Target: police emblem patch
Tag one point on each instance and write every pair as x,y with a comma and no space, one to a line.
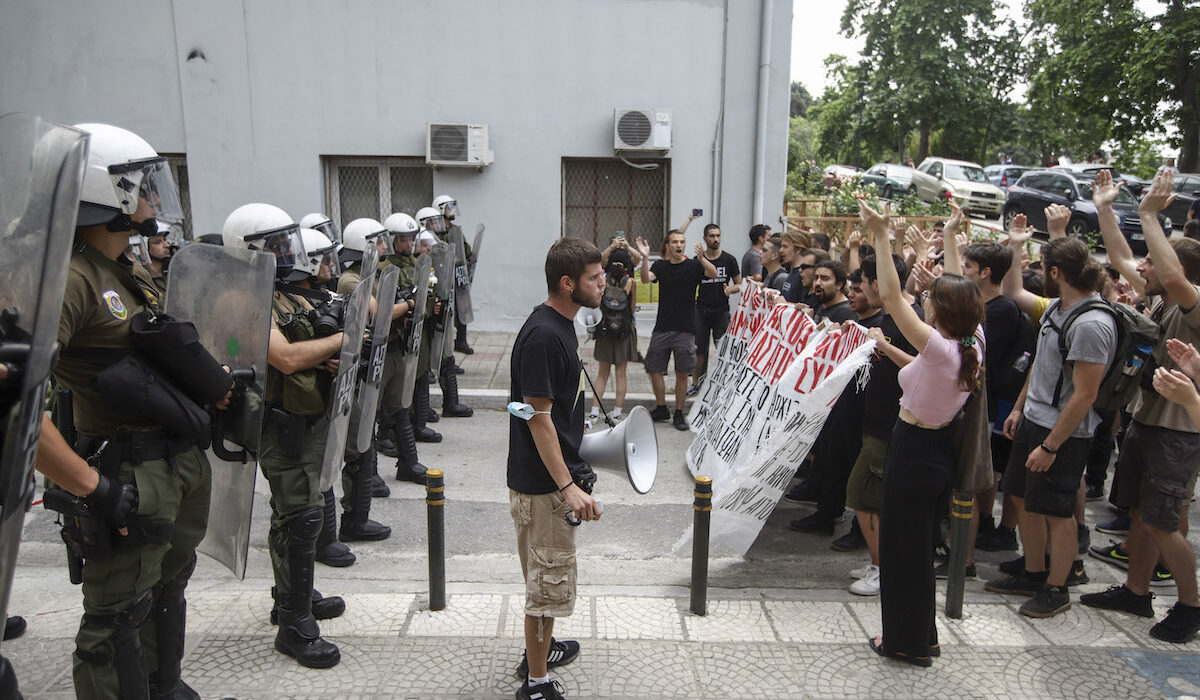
116,307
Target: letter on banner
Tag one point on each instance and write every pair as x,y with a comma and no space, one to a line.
730,351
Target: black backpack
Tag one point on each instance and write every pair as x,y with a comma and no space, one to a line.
1137,338
615,319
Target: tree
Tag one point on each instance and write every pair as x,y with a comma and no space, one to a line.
801,100
802,142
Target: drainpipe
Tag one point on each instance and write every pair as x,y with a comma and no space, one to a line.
719,133
764,79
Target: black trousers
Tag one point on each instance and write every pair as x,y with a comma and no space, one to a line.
916,476
835,452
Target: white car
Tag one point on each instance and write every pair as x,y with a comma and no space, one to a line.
964,182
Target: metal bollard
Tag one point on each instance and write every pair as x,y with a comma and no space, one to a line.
961,507
703,509
435,502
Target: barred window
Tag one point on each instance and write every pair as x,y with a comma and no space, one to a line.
601,196
177,162
375,188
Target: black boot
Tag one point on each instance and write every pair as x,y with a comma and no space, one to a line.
384,444
170,619
126,657
329,551
356,511
407,466
379,487
421,413
8,681
460,338
322,608
448,379
299,635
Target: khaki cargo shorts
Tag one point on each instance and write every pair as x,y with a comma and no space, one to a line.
546,544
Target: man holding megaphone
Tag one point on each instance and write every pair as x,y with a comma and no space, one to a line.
549,483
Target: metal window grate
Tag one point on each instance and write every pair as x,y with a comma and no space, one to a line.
178,165
375,188
603,196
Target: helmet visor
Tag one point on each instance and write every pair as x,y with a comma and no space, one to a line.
331,232
326,263
146,187
139,249
450,209
382,242
285,243
437,224
402,243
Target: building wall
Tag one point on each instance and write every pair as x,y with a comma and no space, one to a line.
255,92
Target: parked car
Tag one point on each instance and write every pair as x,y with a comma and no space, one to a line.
1136,184
1187,187
1004,175
964,182
1038,189
889,179
834,175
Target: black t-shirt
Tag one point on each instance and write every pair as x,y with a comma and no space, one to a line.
882,399
837,313
776,279
677,283
712,290
545,364
792,289
1001,326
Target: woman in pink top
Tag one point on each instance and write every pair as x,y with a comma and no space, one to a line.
920,462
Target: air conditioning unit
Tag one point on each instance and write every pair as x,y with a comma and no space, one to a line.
458,144
641,130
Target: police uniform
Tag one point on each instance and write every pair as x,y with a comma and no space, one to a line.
391,390
133,621
447,373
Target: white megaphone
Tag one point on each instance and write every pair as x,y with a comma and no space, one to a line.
630,448
586,320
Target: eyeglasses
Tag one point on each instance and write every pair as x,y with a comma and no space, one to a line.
805,267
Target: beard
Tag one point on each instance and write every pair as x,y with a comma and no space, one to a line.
1050,286
578,298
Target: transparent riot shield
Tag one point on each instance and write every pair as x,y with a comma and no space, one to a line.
462,277
345,384
442,331
226,293
412,337
41,172
478,242
368,399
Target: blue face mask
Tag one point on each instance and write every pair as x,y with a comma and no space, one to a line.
523,410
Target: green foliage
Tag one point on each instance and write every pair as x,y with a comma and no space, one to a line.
1139,156
802,142
801,100
805,181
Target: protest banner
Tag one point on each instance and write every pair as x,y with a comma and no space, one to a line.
749,315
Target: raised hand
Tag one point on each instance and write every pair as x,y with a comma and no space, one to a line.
1018,231
1159,196
1185,355
643,247
1105,192
923,275
1175,386
855,239
1057,217
956,217
699,250
875,222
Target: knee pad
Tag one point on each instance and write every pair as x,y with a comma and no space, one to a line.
307,525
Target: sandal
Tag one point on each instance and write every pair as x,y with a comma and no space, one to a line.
922,661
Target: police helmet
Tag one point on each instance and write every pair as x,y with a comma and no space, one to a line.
323,224
124,178
267,228
447,205
431,219
319,252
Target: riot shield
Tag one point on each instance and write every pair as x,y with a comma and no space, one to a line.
462,277
412,337
341,396
41,172
442,334
368,399
474,261
226,293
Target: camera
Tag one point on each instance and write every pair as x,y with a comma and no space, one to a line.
328,317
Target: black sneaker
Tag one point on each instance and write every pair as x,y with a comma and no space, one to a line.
1024,583
1117,526
679,421
801,493
1048,602
693,390
850,541
552,690
1113,553
660,414
813,523
1077,576
1161,577
942,570
1014,566
1002,539
560,654
1084,537
1094,492
1179,625
1120,598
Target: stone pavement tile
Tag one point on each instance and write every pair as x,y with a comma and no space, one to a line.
746,670
993,625
1067,673
730,621
1172,674
371,615
467,668
1082,626
577,626
814,622
465,615
869,616
237,613
638,618
42,663
641,669
61,621
844,671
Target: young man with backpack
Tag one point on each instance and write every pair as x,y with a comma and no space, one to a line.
1052,422
1156,470
616,338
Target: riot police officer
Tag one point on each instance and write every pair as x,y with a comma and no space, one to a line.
292,448
448,206
431,219
148,493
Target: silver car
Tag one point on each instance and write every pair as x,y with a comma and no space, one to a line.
962,181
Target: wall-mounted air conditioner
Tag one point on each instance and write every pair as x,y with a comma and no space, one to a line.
641,130
458,144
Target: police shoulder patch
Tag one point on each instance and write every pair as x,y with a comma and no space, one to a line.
116,307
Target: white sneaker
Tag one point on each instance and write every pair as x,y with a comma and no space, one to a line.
587,423
616,414
869,584
860,572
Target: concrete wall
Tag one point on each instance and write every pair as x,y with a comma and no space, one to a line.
255,92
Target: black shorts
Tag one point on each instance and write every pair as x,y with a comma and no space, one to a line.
1157,473
663,344
1052,492
716,322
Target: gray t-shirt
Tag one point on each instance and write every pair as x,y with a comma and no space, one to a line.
1091,338
751,263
